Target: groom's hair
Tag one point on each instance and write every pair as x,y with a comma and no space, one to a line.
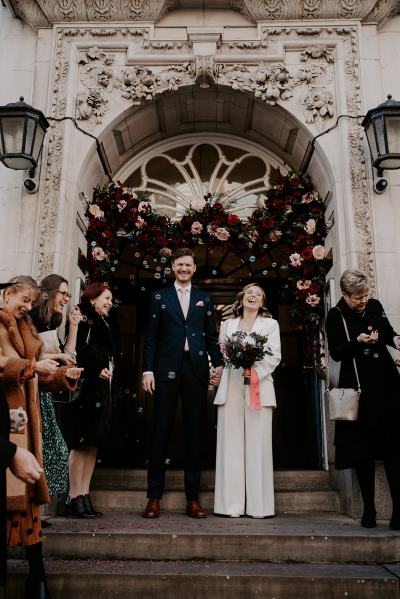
184,252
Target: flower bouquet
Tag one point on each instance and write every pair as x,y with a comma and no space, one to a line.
243,350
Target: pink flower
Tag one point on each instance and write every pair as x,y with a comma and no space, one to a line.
275,235
98,253
211,230
295,259
140,222
253,234
318,252
198,204
144,206
96,211
288,209
303,284
196,228
313,300
309,197
222,234
121,205
310,226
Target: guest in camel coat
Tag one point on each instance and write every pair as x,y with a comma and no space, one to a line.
19,339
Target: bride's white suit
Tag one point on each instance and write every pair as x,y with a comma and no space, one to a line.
244,466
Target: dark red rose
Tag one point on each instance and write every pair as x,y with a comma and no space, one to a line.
233,219
306,254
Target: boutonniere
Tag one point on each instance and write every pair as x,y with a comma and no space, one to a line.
200,303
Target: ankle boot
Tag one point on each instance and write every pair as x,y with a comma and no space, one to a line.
87,502
368,519
36,589
395,520
75,507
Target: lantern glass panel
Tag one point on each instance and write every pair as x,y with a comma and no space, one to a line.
379,125
13,131
40,132
18,163
30,132
371,140
393,134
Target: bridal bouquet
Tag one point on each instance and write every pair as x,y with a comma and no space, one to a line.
243,350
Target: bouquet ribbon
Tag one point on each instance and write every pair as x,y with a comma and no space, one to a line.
255,403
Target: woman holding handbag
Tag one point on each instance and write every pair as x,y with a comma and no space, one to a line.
363,354
47,317
88,420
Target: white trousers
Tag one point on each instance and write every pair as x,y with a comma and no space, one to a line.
244,482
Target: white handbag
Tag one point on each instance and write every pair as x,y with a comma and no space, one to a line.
343,402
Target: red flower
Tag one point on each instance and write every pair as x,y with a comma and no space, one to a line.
307,254
233,219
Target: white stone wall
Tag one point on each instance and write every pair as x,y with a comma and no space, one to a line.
18,209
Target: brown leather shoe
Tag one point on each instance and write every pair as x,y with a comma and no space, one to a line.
194,509
152,508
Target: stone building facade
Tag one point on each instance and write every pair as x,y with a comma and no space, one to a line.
150,76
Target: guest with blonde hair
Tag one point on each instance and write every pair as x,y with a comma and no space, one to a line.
375,434
20,340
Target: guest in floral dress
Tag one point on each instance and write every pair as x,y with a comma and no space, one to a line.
47,316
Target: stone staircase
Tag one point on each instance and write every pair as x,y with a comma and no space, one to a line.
309,550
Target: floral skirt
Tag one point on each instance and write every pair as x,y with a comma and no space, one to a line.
55,451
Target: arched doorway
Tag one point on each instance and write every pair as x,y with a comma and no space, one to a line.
175,149
175,174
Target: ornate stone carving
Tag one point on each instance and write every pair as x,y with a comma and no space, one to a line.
205,71
307,85
273,10
45,13
318,103
317,52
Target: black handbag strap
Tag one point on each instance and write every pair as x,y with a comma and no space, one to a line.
348,339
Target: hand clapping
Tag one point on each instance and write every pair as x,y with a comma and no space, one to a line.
368,339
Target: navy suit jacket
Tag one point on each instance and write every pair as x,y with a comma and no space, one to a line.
168,329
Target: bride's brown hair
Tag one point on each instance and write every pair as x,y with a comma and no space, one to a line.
237,307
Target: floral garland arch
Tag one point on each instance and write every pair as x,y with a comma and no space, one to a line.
291,216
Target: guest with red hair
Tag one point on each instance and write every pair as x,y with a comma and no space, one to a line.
87,420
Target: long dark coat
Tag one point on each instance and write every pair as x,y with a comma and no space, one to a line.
7,452
376,432
86,422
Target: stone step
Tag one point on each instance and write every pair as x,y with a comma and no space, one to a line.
109,500
205,580
137,479
289,538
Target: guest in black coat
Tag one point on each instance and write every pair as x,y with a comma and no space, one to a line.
375,434
86,424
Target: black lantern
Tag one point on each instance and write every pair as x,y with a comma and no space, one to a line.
22,129
382,128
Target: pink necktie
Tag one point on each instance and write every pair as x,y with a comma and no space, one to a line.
184,300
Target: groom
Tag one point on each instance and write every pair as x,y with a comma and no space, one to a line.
181,334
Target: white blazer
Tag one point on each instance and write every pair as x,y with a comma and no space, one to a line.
264,368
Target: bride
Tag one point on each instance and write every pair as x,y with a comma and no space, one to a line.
244,466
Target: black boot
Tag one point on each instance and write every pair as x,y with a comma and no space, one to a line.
36,589
392,470
87,502
366,479
75,507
